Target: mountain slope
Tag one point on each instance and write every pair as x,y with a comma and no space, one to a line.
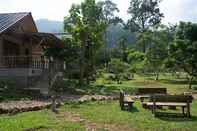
45,25
115,33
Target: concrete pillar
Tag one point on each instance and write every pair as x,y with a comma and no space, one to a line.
1,50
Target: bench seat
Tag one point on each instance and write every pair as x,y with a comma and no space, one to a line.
166,104
128,99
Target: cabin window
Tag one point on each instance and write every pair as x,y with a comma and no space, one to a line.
10,48
26,51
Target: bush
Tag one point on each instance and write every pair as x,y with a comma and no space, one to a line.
6,84
194,87
119,69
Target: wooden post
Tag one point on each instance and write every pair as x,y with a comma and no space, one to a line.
121,100
42,62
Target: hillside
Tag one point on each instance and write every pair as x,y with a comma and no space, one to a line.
45,25
114,32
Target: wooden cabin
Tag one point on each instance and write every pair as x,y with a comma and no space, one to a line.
21,56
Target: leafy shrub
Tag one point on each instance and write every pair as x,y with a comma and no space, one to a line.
119,69
6,84
194,87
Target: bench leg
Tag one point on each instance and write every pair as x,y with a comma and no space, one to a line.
153,109
122,105
188,110
183,110
130,105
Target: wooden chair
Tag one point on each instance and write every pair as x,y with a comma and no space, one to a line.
125,101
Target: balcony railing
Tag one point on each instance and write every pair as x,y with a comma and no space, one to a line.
37,62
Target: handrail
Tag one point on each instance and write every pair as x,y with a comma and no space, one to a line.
23,62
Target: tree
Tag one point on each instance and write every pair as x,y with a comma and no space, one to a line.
157,52
86,25
184,49
108,10
144,13
136,59
119,68
122,46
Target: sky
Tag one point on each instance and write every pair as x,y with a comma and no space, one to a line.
174,10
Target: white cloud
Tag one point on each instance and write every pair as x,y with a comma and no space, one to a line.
179,10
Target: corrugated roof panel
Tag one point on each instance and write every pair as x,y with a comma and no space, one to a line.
9,19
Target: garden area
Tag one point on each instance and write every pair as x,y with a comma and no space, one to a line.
105,115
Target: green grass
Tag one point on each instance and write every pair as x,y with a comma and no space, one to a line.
105,86
137,119
39,120
103,114
107,114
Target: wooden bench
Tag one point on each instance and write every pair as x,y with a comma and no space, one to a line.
182,101
144,93
125,101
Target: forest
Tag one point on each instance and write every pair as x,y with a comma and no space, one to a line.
103,42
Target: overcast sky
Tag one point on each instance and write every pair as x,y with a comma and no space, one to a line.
174,10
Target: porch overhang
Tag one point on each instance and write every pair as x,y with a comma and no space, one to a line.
43,39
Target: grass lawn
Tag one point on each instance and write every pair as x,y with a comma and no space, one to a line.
106,115
109,113
37,121
105,87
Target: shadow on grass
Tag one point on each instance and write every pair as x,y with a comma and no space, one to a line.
176,117
176,82
133,110
36,128
99,89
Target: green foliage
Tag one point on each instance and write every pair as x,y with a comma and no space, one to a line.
183,51
137,60
194,87
6,83
144,13
86,25
108,10
119,68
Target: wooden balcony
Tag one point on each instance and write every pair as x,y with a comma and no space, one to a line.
35,62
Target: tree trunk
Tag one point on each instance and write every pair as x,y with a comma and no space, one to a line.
82,67
53,105
105,50
157,76
190,82
82,58
143,30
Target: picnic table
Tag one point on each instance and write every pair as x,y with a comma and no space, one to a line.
182,101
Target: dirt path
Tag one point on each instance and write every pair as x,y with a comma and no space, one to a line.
91,126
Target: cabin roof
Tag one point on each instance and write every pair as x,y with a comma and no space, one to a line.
9,19
45,39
